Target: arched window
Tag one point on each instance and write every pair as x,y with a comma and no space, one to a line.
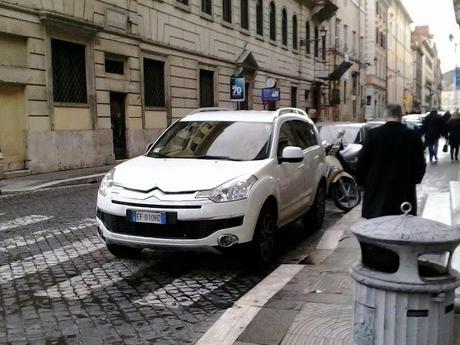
316,41
260,18
284,28
244,7
272,21
294,32
307,38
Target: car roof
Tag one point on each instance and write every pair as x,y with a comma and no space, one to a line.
238,115
344,124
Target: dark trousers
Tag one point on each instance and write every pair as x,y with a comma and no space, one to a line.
454,152
433,149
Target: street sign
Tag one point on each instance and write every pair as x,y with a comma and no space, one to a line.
237,89
270,94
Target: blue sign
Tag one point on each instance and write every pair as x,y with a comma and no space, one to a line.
237,89
457,78
270,94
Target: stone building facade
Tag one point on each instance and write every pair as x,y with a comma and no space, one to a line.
85,82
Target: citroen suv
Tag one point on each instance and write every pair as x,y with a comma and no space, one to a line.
216,179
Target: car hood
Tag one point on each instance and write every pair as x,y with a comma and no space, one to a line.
181,175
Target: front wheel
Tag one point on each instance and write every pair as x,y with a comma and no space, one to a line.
263,245
346,194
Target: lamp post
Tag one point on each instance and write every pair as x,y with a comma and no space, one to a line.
455,101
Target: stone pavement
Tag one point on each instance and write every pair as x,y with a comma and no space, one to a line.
300,304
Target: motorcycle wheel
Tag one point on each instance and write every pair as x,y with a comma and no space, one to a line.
346,194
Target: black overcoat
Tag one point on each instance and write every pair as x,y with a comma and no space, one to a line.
390,165
454,132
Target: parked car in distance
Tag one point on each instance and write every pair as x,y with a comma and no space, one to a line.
215,179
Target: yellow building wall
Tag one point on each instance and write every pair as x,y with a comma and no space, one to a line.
68,118
12,126
13,51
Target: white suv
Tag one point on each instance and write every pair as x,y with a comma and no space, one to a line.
215,179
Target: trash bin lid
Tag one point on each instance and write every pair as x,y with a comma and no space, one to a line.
406,229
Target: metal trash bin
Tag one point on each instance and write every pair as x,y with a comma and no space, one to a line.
404,285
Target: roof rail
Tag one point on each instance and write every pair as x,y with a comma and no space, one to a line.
282,111
204,110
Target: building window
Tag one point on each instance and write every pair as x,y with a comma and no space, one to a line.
345,37
377,36
307,38
284,28
154,83
183,2
344,92
114,66
294,32
69,72
316,42
260,18
206,88
244,14
294,97
272,21
227,10
353,43
206,6
337,32
323,48
382,40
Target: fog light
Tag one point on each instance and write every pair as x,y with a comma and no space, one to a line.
226,241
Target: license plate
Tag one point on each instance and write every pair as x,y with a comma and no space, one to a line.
147,217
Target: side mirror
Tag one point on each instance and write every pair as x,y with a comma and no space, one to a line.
291,154
148,147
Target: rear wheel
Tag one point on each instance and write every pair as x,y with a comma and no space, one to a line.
346,194
263,245
313,219
124,252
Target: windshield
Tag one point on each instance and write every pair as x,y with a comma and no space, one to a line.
242,141
329,133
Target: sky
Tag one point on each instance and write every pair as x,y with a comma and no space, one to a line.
440,16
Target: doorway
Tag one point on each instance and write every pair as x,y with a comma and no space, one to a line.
12,127
118,120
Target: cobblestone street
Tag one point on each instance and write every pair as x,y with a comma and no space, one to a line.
59,285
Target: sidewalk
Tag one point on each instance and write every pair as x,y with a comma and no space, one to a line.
53,179
300,304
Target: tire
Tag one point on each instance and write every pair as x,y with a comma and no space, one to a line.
346,194
263,248
313,219
124,252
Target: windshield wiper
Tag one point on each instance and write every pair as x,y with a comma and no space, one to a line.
217,157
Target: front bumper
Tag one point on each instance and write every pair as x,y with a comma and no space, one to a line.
198,224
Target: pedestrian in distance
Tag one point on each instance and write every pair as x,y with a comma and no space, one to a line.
313,115
390,165
453,128
433,127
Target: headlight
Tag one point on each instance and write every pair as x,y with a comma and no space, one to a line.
106,183
237,189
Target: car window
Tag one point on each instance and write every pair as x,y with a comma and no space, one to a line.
215,140
304,134
286,137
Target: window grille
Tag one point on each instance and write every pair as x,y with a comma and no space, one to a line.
154,83
244,14
227,10
114,66
259,18
69,72
272,21
294,32
284,28
206,88
206,6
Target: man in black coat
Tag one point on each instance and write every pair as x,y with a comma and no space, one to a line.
433,126
390,165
